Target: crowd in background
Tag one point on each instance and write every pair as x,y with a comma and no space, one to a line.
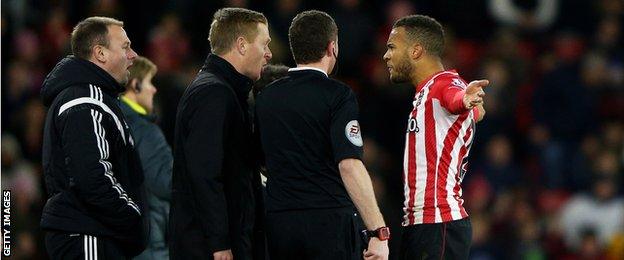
546,173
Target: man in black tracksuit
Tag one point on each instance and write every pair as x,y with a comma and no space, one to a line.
92,172
212,207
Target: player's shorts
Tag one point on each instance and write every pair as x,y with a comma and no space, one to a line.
448,240
315,234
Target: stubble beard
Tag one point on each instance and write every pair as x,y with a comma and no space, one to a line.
124,79
402,72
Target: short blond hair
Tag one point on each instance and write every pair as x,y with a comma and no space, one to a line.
230,23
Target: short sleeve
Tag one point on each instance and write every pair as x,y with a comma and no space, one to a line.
346,133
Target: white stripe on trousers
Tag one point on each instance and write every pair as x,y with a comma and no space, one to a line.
95,249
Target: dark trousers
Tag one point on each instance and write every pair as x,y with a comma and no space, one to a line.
61,245
314,234
449,240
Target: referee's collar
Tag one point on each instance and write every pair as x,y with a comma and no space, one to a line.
307,68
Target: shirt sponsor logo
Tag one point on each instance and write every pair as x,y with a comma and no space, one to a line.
353,133
412,125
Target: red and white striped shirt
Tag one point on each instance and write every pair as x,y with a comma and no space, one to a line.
440,131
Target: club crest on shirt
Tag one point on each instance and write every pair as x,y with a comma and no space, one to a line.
458,83
353,133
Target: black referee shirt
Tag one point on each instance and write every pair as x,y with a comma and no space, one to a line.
307,124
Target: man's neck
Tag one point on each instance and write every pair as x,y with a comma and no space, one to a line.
234,60
425,70
323,65
98,63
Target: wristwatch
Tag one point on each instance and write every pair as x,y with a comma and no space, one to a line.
382,233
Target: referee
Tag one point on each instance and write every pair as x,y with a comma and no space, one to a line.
312,145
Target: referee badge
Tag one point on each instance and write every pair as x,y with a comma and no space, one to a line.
353,133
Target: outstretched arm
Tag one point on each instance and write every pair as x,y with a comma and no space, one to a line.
457,100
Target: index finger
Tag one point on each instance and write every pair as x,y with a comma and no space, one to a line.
481,82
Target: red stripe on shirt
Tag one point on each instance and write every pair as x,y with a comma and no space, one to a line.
432,156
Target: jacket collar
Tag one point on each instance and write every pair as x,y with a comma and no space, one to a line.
239,82
72,71
134,105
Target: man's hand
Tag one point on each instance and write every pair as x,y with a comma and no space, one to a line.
223,255
377,249
474,93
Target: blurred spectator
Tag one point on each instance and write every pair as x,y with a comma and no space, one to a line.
563,110
108,8
601,78
529,246
616,249
269,74
520,14
237,3
482,246
613,135
608,35
20,87
499,101
168,45
354,37
30,119
500,169
611,7
20,176
600,211
581,164
284,12
27,46
55,34
590,247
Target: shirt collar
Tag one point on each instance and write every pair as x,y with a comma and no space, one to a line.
307,68
433,76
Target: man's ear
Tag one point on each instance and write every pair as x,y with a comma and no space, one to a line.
241,45
332,49
416,51
99,52
134,85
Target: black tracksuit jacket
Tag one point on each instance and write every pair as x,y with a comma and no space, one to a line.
92,173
